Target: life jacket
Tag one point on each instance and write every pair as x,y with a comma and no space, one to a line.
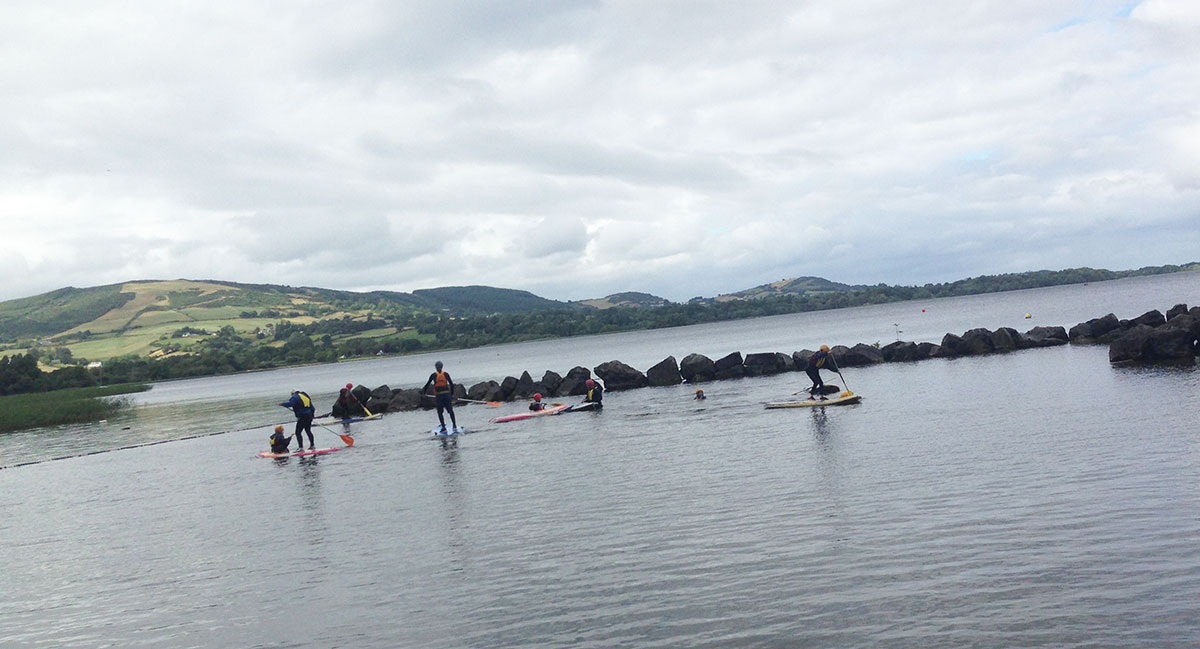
279,443
441,382
305,401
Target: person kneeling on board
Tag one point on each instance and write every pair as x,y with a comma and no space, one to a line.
279,443
537,404
595,394
302,406
822,359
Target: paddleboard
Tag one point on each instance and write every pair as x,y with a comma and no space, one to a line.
438,432
552,410
813,403
318,451
580,407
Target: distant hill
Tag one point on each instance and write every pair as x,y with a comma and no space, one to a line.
477,300
628,299
793,286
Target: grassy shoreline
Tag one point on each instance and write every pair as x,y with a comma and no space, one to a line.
74,405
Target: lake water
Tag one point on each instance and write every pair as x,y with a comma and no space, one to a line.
1035,499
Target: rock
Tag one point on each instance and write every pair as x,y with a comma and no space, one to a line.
1046,336
1153,318
1006,339
665,372
508,388
800,359
977,342
495,393
765,364
860,354
927,350
1132,347
550,382
1175,311
1145,344
405,400
952,346
361,393
697,368
899,352
574,383
524,387
729,366
619,376
479,391
382,392
459,391
1087,332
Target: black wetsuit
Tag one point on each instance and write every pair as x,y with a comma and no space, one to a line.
302,406
817,362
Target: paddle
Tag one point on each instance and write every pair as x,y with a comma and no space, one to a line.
345,438
847,393
494,404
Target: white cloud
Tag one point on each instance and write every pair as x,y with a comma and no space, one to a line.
579,148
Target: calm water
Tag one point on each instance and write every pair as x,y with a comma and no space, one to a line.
1034,499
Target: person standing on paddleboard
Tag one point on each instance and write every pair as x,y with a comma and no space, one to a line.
595,394
302,406
820,360
443,394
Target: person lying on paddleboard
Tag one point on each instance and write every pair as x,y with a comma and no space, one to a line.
821,359
302,406
537,404
279,443
595,394
443,391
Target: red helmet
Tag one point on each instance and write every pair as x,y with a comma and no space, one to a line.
537,397
349,386
590,383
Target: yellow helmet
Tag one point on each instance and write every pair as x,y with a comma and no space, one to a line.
824,348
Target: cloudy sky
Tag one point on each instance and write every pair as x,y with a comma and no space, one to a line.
580,148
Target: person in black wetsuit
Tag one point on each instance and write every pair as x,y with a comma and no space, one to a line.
279,443
347,405
301,405
822,359
443,394
595,394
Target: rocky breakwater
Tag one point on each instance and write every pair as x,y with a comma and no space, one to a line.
1149,338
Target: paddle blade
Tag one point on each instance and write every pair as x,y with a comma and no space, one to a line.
348,439
847,393
494,404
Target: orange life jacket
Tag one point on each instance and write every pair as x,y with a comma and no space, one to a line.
441,383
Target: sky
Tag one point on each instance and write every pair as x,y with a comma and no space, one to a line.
579,148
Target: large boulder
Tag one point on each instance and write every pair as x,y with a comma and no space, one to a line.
1153,318
665,372
860,354
697,368
729,366
977,342
508,388
574,383
1090,331
1007,339
524,387
619,376
1145,344
952,345
405,400
800,359
480,391
928,350
362,393
766,363
381,392
1177,310
550,382
899,352
1046,336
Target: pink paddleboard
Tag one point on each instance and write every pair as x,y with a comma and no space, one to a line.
318,451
